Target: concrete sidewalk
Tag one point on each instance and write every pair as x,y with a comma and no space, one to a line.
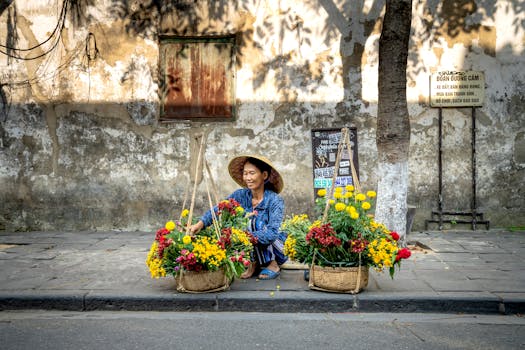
449,271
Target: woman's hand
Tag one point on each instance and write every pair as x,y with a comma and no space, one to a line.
195,228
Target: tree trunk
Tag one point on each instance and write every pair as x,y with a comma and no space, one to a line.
393,124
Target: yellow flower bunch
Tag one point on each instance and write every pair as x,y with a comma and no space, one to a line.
289,247
295,246
378,227
295,220
155,264
316,223
225,245
381,252
208,252
240,236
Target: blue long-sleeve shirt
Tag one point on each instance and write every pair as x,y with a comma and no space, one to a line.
270,212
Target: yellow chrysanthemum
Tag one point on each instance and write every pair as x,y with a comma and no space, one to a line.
170,226
239,210
381,252
299,218
338,195
295,220
155,264
186,239
349,188
316,223
348,194
365,205
338,190
331,201
371,194
289,247
321,192
239,236
340,206
350,209
354,215
360,197
185,213
208,252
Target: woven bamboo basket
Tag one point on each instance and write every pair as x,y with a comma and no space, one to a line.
202,281
338,279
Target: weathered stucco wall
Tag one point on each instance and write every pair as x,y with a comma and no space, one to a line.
81,146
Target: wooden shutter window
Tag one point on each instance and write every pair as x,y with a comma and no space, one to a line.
197,78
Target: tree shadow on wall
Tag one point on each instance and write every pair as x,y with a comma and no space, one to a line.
188,18
350,22
353,23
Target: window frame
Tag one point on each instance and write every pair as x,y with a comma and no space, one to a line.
163,76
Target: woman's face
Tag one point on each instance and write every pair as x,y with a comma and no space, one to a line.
253,177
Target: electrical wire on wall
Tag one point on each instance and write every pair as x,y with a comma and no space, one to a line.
91,54
54,38
28,54
87,49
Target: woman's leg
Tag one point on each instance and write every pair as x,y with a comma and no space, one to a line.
250,270
271,256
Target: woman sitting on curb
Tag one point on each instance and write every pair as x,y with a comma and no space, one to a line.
259,196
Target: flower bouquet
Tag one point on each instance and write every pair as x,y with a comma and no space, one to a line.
346,238
216,255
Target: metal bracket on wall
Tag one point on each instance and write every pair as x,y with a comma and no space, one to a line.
473,216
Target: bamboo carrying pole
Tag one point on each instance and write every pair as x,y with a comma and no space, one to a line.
197,166
214,217
200,156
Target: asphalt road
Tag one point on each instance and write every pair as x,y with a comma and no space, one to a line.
167,330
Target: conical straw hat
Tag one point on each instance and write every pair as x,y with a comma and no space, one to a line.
236,168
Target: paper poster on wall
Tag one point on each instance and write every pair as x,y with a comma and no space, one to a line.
324,151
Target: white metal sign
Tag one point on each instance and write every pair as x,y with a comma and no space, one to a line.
457,89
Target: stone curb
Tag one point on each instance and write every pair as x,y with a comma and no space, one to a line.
289,302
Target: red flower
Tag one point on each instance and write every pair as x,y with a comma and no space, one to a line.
163,242
359,244
188,261
403,254
160,233
395,235
324,236
225,239
228,205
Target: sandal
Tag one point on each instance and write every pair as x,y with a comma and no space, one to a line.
269,274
